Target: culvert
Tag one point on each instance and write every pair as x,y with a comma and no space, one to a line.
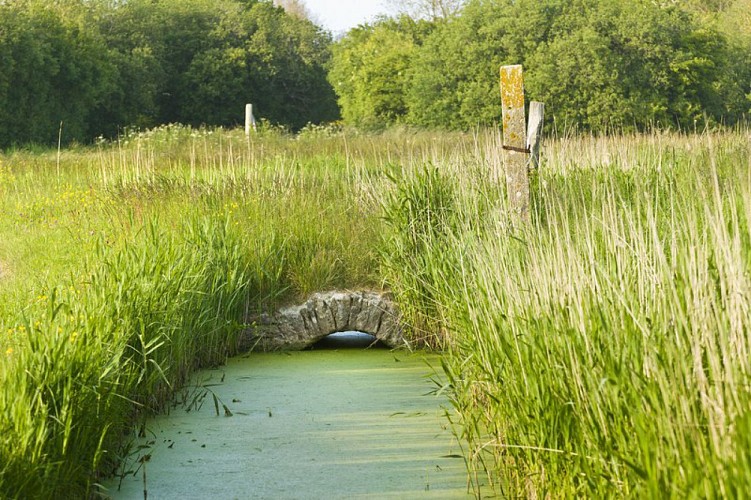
300,326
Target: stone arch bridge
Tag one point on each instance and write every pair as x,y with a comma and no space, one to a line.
301,326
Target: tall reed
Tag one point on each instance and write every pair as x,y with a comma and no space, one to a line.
89,357
138,263
603,350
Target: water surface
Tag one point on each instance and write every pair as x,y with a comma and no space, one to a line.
326,423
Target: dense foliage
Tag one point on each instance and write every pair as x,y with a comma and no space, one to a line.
77,69
98,66
597,64
370,70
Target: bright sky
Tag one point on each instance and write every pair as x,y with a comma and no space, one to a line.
341,15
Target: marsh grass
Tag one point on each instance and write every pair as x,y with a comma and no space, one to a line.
135,263
602,350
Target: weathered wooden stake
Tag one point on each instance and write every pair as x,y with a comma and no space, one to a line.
250,120
534,132
514,142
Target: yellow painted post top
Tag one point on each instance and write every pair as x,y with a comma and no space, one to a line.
512,100
515,142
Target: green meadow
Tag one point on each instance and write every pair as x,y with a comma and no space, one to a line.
600,351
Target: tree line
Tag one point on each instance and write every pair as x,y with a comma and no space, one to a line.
97,66
598,65
85,68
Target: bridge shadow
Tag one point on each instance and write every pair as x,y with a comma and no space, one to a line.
348,340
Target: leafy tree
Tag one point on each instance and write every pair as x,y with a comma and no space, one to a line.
453,83
211,57
53,71
294,54
596,63
156,42
100,65
630,64
370,70
733,18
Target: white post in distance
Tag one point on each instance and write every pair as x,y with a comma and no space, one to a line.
250,120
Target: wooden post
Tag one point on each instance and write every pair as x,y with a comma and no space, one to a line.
250,120
514,142
534,132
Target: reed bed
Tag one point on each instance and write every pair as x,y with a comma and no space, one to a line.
128,265
602,350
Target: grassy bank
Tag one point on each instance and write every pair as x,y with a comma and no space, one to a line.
604,349
128,265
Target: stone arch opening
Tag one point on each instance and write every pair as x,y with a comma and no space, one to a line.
301,326
347,340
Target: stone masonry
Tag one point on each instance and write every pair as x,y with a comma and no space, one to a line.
300,326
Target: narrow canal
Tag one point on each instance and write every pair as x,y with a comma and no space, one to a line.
338,421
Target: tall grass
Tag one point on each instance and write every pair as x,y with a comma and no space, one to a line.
604,349
86,358
138,263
